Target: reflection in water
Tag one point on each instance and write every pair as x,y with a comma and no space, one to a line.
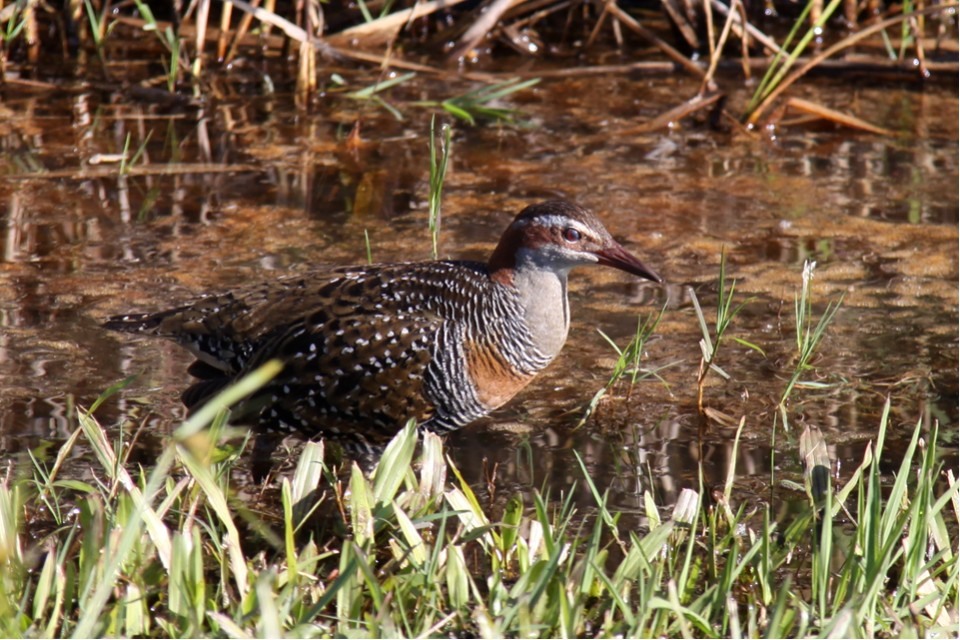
268,189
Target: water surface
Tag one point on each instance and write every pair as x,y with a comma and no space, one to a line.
248,187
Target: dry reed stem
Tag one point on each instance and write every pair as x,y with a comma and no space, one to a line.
386,28
534,11
226,13
241,34
821,111
711,43
203,20
682,23
921,58
267,17
179,168
599,24
849,41
670,52
716,48
481,27
276,42
691,106
739,22
744,40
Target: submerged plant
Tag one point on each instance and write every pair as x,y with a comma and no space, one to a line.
480,103
628,362
16,23
711,341
169,39
808,337
127,162
372,92
438,173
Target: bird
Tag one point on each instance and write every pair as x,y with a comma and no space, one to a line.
367,348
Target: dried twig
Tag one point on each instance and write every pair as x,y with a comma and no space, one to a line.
293,31
384,29
691,106
826,113
598,25
670,52
758,35
849,41
479,29
103,171
682,23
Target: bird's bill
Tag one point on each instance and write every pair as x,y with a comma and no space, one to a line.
619,258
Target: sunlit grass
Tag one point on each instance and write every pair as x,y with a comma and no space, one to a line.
627,367
787,56
157,554
440,151
371,93
483,103
715,336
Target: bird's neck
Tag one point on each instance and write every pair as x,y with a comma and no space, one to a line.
542,292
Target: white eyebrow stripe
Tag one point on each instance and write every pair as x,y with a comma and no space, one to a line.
554,221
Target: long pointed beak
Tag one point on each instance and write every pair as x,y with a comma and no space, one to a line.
619,258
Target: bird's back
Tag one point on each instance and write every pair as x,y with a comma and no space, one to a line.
364,348
367,348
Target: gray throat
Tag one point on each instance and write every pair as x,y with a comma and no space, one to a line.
543,296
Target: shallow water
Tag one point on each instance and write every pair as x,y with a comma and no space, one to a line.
247,187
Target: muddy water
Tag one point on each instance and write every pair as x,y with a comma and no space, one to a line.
248,188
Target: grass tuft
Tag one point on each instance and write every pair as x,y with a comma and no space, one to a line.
439,160
156,554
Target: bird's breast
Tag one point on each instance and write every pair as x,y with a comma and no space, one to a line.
495,380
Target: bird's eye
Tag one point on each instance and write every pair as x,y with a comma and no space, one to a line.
571,235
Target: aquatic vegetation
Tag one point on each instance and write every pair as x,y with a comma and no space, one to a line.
481,103
711,341
438,173
627,366
372,92
685,38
